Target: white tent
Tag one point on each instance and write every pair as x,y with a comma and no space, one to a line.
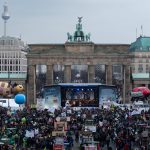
9,103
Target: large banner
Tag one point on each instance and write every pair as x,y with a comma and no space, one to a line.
108,93
52,97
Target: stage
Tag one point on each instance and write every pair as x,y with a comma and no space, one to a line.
78,94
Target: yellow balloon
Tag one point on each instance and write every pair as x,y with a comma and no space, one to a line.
19,88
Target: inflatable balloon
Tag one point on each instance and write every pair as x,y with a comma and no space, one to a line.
20,99
23,120
8,90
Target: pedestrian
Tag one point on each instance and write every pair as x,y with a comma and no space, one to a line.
126,147
109,148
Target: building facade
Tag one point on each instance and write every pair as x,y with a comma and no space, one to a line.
140,62
13,61
78,61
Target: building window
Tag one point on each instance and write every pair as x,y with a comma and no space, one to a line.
148,48
3,42
6,62
140,61
10,68
147,68
140,68
16,68
133,60
117,72
133,69
11,42
5,68
147,61
41,71
100,73
16,62
2,55
58,73
79,73
140,55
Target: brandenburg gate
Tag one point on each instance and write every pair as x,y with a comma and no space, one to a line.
78,60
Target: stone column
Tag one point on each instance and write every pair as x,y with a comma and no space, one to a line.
91,73
127,84
49,75
109,74
31,86
67,74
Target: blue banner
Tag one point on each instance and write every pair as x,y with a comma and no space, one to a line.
52,97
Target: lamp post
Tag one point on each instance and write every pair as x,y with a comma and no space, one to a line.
58,80
78,78
124,84
149,78
149,85
9,83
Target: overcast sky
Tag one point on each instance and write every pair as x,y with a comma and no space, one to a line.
48,21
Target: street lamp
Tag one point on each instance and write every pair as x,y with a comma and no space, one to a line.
58,80
9,83
124,84
78,77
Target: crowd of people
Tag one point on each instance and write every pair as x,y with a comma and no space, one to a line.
30,128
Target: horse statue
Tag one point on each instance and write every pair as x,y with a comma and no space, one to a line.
80,19
69,37
88,37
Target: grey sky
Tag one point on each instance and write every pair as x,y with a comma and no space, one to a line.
48,21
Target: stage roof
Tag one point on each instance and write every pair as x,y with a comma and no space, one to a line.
79,84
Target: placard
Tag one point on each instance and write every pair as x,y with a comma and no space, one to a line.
58,133
58,147
90,147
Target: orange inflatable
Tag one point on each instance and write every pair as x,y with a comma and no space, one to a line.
8,90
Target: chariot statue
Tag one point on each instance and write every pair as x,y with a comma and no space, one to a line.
79,35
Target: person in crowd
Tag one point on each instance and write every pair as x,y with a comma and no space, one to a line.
31,128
